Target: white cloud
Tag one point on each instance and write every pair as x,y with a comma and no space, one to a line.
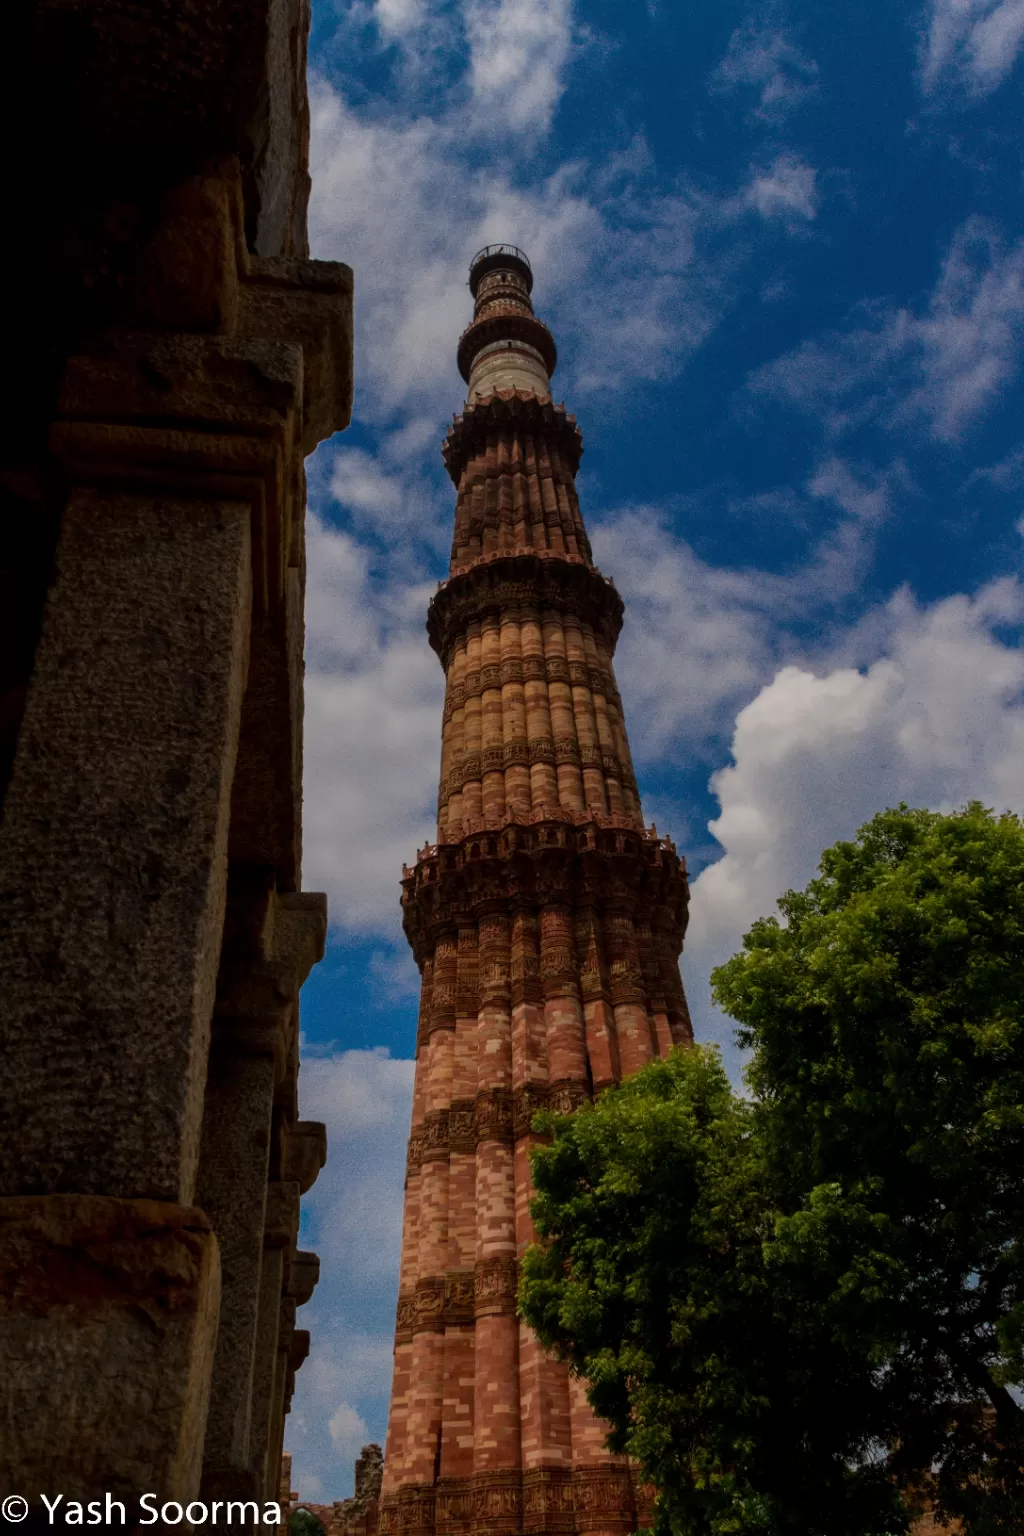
941,365
700,638
764,58
404,201
518,54
397,19
786,190
936,719
374,691
348,1431
970,44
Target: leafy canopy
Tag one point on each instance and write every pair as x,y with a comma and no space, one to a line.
303,1522
800,1309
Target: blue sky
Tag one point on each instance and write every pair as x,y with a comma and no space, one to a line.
781,248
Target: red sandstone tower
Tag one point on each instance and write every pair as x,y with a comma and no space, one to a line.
547,923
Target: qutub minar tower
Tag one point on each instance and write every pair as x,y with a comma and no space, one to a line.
547,923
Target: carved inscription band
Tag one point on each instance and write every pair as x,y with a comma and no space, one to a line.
495,1115
545,1501
458,1297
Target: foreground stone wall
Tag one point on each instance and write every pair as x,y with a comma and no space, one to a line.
177,356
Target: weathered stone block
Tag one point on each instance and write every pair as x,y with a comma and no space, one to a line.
113,847
108,1317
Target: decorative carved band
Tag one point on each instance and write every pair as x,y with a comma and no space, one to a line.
524,669
544,1501
462,1126
496,1282
568,585
566,1096
459,1298
603,1499
387,1518
525,410
456,1298
429,1304
526,1102
548,1508
405,1317
622,872
416,1509
497,1503
489,328
494,1115
454,1507
433,1136
645,1496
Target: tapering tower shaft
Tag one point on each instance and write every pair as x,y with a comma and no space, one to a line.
547,923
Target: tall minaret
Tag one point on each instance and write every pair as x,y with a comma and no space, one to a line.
547,923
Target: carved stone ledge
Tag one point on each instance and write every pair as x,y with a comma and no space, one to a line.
303,1152
305,1273
298,1350
539,864
509,406
563,583
281,1223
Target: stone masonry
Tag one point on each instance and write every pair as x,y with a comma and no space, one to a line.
547,923
177,355
356,1516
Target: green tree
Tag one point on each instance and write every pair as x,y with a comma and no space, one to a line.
792,1306
303,1522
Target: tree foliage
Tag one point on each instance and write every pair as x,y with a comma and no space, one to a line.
798,1308
303,1522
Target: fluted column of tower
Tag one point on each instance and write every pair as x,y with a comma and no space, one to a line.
547,923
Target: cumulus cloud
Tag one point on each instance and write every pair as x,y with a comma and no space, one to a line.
935,718
763,59
374,691
406,201
352,1217
941,365
347,1429
970,45
398,18
517,59
700,638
